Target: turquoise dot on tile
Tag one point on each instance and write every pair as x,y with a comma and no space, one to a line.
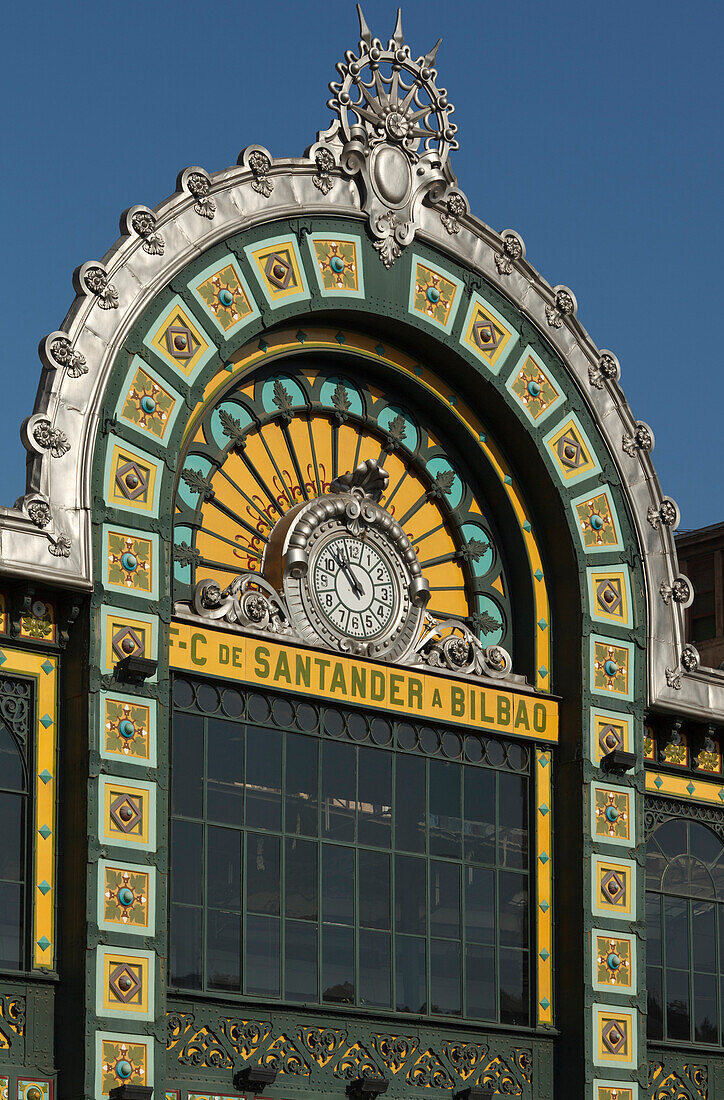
545,1004
613,961
45,776
538,575
44,943
545,954
337,264
129,562
659,782
226,297
46,721
126,895
44,831
148,404
44,887
543,624
690,788
126,728
544,906
508,479
47,666
610,668
612,814
526,526
543,671
543,809
533,388
124,1069
596,522
544,857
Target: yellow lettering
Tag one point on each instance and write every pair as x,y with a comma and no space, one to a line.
503,711
414,693
338,682
322,665
359,681
521,715
396,682
282,668
303,670
457,702
196,641
262,664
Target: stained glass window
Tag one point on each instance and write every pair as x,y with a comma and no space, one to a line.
685,930
322,855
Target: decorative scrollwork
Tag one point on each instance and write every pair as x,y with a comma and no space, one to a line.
682,1082
196,1045
97,282
15,697
564,306
395,1050
456,208
322,179
466,1057
642,440
679,591
144,223
65,355
247,601
502,1076
260,165
199,186
322,1043
284,1056
666,514
512,250
429,1072
59,546
449,644
51,439
356,1062
606,368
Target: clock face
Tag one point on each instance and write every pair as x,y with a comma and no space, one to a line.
354,586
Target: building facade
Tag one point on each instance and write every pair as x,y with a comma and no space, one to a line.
351,739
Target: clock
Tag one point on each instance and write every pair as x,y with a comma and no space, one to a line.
348,573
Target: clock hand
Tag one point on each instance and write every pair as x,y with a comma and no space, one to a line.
344,565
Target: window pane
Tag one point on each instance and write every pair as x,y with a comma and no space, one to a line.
445,977
224,771
445,900
513,914
701,885
302,785
676,934
410,804
703,843
479,904
513,820
337,964
338,791
480,982
188,765
655,865
513,987
655,1020
410,901
262,956
337,884
186,947
300,953
374,889
300,875
678,1024
411,982
223,868
11,765
12,811
262,874
375,968
11,929
263,779
374,797
653,929
671,838
703,935
444,820
223,950
187,862
706,1023
479,829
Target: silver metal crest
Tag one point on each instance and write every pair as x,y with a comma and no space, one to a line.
396,134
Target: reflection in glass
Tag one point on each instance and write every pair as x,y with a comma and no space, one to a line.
223,954
262,955
444,818
300,961
338,791
224,771
337,964
411,978
263,779
374,968
301,786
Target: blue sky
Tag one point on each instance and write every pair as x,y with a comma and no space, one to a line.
593,130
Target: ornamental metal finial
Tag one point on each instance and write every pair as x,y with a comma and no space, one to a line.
395,131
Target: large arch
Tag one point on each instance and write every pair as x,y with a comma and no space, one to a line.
223,289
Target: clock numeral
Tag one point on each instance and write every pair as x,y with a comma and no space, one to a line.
385,595
380,573
328,600
329,564
369,622
379,611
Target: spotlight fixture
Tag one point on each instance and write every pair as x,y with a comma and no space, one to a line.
134,670
618,762
131,1092
255,1078
474,1094
367,1088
